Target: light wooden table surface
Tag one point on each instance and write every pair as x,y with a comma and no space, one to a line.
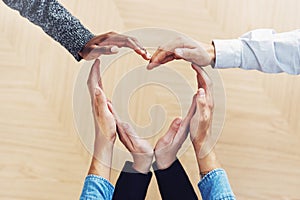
41,155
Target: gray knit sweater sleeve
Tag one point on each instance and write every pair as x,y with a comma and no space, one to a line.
56,21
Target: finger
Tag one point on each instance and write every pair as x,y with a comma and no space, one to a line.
204,82
123,135
120,128
160,57
184,126
114,112
94,73
94,78
201,102
101,99
191,112
170,134
200,77
139,49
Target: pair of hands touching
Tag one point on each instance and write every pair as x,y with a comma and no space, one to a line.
108,124
199,54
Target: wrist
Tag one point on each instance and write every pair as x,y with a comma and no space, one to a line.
143,163
163,163
212,53
208,163
103,151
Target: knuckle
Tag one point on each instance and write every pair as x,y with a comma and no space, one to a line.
111,33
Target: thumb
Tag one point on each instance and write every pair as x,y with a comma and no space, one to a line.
185,53
201,101
172,130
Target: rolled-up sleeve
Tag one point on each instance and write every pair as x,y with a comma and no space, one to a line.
96,188
215,186
261,49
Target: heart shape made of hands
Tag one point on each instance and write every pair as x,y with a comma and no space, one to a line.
108,123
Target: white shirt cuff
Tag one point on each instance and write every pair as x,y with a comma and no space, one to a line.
228,53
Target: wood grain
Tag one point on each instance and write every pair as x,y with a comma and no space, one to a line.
41,155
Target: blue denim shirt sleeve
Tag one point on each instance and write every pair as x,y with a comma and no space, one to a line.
215,186
96,188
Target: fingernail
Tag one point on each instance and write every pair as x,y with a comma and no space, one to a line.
97,91
114,49
149,66
178,121
202,92
179,52
148,55
126,126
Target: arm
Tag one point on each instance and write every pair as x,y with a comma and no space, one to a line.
64,28
97,185
171,177
263,50
215,184
135,177
56,21
132,184
173,182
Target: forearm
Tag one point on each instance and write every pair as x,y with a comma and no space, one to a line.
102,158
131,184
97,185
173,182
261,49
214,183
207,163
56,21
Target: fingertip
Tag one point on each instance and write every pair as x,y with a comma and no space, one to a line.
175,124
146,55
178,121
114,49
97,91
201,92
151,65
97,61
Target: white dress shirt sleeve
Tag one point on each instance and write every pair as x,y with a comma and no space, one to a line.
263,50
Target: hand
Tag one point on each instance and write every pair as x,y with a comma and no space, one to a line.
107,43
200,129
167,146
192,51
200,126
140,149
105,124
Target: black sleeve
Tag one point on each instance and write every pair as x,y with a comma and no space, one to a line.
174,183
56,21
131,185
